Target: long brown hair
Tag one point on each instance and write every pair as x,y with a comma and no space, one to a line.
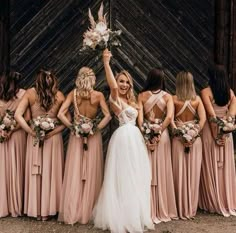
9,85
46,87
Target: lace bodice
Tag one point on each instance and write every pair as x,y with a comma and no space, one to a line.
128,116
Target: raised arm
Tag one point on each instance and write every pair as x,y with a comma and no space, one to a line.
105,111
109,74
64,110
21,110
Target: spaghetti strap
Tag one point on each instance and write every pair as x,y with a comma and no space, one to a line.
187,104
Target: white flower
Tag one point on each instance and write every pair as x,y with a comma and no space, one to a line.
12,127
187,137
7,121
88,41
52,125
148,131
86,127
45,125
2,126
37,122
101,27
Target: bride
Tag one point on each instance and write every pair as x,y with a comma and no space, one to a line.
124,201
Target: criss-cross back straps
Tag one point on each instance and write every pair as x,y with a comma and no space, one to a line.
187,104
155,99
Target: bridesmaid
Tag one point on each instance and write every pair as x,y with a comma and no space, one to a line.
84,168
187,166
218,180
154,103
12,149
44,164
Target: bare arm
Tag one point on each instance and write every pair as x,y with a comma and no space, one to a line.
21,110
206,99
109,74
140,111
232,106
105,111
201,113
63,113
172,123
169,113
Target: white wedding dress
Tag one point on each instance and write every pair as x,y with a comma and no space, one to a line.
124,201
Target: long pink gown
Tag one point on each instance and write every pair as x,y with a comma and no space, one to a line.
162,185
186,171
43,170
218,180
83,177
12,157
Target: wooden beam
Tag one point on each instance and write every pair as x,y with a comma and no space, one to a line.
4,36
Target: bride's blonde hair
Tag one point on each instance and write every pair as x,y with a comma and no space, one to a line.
85,82
130,94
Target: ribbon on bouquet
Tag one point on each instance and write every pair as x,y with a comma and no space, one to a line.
220,157
37,160
84,158
153,159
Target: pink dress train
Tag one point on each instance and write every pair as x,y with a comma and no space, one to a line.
83,178
12,157
163,204
186,172
218,180
43,170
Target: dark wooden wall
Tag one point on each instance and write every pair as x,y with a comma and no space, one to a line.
174,35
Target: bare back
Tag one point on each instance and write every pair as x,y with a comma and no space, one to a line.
185,111
87,107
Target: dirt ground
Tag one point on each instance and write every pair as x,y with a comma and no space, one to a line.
203,223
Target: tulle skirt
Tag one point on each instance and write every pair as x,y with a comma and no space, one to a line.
124,201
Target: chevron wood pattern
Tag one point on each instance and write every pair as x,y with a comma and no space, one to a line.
174,35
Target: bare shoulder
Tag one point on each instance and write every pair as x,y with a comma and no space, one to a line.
31,93
167,96
206,91
60,96
174,98
143,96
98,94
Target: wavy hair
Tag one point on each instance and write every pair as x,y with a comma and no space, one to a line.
85,82
130,94
9,85
46,87
185,89
219,85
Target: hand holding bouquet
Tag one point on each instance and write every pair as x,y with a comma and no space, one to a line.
99,36
7,125
151,131
42,125
84,128
188,133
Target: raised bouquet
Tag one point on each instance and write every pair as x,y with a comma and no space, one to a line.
151,130
85,127
99,36
7,124
42,125
188,132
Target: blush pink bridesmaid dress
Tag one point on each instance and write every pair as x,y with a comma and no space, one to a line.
162,185
186,171
12,157
83,177
43,170
218,179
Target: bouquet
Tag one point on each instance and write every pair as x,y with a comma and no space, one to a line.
42,125
188,132
7,124
226,125
84,128
151,130
99,36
